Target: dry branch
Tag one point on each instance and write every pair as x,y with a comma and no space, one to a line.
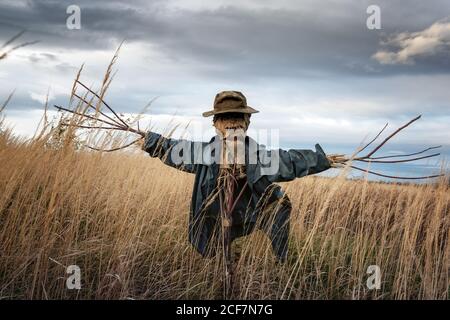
338,161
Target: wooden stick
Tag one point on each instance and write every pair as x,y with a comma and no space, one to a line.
390,136
121,128
376,137
397,161
90,127
85,115
406,155
103,101
396,177
99,111
114,149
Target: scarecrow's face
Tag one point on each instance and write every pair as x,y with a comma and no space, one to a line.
232,128
231,124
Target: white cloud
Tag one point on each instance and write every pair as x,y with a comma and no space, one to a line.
406,46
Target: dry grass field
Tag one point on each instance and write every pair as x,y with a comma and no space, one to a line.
122,218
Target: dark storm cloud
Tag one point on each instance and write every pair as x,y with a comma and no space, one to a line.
321,39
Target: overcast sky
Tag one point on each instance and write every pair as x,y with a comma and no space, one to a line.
313,68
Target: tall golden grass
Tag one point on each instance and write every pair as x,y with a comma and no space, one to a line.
122,218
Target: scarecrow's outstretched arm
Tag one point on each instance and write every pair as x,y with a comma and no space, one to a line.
179,154
294,163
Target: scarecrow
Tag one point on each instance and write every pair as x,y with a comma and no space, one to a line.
231,195
235,190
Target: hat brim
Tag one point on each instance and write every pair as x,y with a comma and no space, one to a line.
247,110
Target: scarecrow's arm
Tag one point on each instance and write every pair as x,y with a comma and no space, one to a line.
296,163
179,154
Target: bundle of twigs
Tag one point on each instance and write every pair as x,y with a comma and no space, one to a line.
339,161
99,119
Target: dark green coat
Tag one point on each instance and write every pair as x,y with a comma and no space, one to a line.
261,191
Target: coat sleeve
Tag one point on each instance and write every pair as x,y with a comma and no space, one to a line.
180,154
293,163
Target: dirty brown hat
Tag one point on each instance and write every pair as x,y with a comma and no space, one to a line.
230,101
